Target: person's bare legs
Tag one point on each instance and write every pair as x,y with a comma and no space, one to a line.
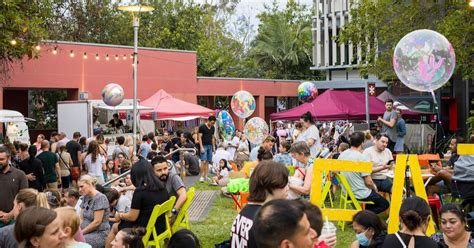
204,170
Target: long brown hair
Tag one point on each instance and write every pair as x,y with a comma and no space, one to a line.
267,176
32,222
93,149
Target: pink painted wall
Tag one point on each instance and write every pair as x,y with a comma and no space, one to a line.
173,71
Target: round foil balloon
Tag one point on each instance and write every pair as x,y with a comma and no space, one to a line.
256,129
226,125
307,91
243,104
112,94
424,60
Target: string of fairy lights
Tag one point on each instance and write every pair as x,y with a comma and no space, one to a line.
85,55
55,49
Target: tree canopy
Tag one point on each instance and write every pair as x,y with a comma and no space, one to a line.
385,22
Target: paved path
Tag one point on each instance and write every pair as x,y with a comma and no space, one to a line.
202,201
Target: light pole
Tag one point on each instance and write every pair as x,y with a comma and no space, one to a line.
135,9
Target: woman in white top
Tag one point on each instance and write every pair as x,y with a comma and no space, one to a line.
95,162
310,134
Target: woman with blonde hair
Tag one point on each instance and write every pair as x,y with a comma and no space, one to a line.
129,143
70,224
25,198
95,212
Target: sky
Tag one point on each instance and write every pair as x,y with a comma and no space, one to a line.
251,8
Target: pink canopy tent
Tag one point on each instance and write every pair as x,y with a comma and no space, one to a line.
166,107
335,105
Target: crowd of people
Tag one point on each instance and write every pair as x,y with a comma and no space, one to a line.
56,187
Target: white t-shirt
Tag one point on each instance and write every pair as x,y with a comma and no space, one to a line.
224,173
123,204
378,158
220,154
311,133
94,168
235,142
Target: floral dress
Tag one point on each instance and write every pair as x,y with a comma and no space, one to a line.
89,205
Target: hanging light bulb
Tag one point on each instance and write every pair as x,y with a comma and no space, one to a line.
116,57
13,42
37,47
71,54
84,56
55,51
107,57
124,57
471,3
131,56
97,56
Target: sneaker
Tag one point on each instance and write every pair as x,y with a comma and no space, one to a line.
201,179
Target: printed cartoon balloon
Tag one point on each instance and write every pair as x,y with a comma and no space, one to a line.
424,60
226,125
256,130
112,94
243,104
307,92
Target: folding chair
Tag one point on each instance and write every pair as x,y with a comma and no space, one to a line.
159,238
348,197
182,220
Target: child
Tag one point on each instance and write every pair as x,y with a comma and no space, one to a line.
222,177
297,180
129,237
284,157
70,227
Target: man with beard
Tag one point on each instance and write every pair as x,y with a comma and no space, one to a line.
174,184
12,181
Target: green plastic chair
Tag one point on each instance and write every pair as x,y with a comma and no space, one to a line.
182,220
159,238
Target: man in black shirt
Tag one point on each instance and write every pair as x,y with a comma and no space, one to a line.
116,122
208,144
74,148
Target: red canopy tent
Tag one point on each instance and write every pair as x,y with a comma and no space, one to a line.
336,105
166,107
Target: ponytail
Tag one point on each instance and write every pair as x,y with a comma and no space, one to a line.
42,200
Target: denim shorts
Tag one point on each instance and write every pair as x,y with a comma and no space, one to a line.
206,154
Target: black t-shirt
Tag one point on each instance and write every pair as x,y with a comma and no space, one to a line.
207,134
116,124
242,229
392,241
34,166
168,146
72,148
145,201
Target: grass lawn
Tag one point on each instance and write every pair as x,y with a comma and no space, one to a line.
216,227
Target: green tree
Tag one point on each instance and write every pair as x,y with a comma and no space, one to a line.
21,30
378,26
282,47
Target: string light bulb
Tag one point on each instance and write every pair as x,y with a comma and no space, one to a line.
131,56
471,3
71,54
116,57
124,57
37,47
84,56
97,56
55,51
107,57
13,42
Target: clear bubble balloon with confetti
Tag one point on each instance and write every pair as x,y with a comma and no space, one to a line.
424,60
